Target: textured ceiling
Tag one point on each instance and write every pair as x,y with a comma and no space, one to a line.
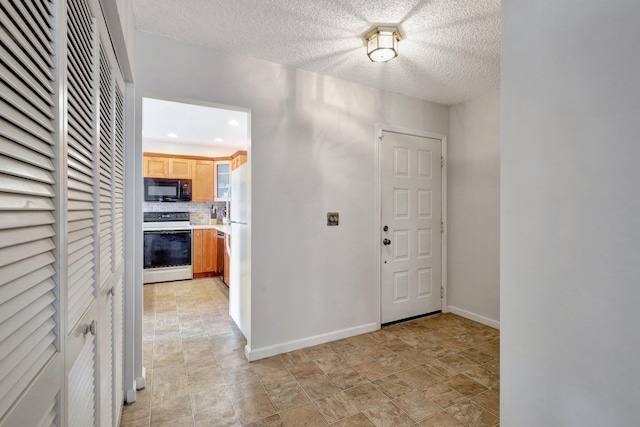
449,52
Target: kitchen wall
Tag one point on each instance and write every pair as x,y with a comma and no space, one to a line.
313,150
570,213
473,273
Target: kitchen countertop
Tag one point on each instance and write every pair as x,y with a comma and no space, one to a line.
220,227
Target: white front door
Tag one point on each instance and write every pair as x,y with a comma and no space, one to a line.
411,215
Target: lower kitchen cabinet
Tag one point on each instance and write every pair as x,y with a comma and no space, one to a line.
205,253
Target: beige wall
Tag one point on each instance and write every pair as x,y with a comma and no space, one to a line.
473,182
570,214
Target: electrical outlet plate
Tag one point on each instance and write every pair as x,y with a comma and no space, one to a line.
333,218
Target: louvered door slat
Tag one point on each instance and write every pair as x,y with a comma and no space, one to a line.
13,68
28,40
42,307
16,151
27,369
25,170
26,109
81,395
37,24
80,158
10,221
49,419
23,55
24,138
27,313
26,92
105,168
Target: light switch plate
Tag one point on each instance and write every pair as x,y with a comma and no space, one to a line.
333,218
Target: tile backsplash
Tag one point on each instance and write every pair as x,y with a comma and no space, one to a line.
199,210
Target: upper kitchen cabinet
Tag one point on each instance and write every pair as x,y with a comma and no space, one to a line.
238,159
221,176
202,181
167,167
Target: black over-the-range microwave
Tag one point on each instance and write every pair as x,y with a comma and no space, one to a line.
167,190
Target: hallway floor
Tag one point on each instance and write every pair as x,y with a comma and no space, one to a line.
438,371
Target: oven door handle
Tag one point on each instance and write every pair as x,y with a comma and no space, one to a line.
166,231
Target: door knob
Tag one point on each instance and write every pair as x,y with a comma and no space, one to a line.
386,242
386,228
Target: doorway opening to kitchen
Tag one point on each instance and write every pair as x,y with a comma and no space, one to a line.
196,206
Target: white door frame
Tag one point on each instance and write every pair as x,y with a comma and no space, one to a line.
379,128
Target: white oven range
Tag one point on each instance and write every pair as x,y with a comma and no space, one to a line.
167,247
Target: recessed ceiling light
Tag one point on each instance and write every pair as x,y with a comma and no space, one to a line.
218,140
172,135
233,123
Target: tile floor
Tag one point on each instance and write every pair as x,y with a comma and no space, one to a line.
438,371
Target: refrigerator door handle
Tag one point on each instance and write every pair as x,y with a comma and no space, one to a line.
228,205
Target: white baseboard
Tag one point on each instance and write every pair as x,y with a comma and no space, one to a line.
473,316
261,353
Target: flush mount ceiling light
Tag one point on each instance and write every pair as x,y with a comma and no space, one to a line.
382,44
172,135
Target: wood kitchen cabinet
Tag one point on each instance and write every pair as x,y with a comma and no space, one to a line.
202,190
221,179
238,159
167,167
205,253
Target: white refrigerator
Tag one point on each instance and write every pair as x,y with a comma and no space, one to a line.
238,248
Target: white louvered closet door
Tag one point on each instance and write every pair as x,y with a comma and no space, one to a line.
118,296
82,207
106,168
29,359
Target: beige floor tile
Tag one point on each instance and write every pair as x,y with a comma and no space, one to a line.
388,415
489,400
306,370
472,415
169,374
276,378
238,374
465,385
266,366
359,420
417,377
366,396
254,408
212,399
303,416
392,386
288,396
484,377
197,374
443,395
245,389
272,421
293,358
336,407
167,391
372,370
417,405
186,421
319,387
169,410
346,378
318,351
214,418
441,420
394,363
